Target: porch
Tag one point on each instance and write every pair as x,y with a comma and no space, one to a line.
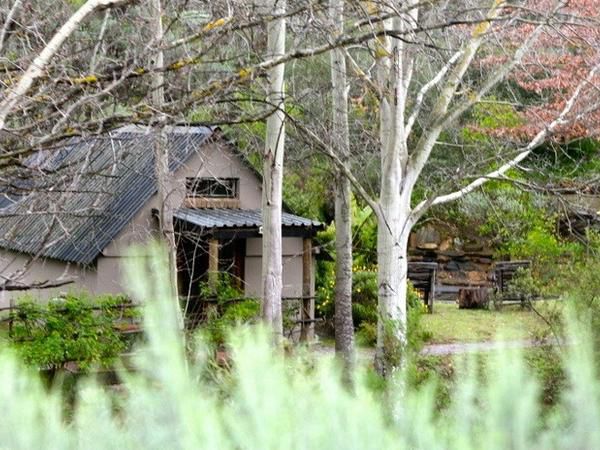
216,241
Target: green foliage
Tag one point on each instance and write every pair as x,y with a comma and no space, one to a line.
436,371
416,335
227,309
364,229
365,313
325,275
224,288
70,329
364,290
523,285
305,194
518,225
539,244
364,295
568,162
582,288
77,3
547,366
502,214
221,320
366,334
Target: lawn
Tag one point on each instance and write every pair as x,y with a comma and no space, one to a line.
450,324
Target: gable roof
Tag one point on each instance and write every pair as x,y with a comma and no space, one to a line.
87,191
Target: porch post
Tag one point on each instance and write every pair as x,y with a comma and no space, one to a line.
307,330
213,263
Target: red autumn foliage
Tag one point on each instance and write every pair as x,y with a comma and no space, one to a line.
549,74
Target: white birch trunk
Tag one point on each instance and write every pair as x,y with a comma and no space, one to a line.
161,162
344,327
400,171
394,73
272,270
392,258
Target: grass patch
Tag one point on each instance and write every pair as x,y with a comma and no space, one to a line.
3,332
543,363
449,324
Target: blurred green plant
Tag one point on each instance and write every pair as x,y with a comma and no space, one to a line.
582,289
277,402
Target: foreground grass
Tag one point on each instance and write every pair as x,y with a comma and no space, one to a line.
448,324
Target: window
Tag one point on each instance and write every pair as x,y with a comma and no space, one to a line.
212,187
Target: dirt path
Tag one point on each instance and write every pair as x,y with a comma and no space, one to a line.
470,347
364,354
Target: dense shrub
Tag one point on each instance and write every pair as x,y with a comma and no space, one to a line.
366,334
364,311
71,329
364,296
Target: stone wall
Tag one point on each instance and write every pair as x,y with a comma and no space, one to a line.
460,263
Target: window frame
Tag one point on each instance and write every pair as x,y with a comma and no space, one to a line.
195,189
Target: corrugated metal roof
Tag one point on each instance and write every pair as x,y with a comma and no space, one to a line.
87,191
237,218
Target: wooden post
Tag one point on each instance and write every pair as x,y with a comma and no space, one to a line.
307,330
431,292
213,263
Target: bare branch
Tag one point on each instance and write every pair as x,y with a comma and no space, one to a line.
9,20
426,87
426,142
37,285
36,68
524,153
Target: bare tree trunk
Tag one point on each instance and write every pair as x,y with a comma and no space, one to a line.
394,74
161,160
344,327
400,171
392,251
272,269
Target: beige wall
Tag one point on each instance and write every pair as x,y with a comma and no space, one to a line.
292,267
216,159
41,270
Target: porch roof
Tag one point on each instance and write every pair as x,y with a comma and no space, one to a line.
238,218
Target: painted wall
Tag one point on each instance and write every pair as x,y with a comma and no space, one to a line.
41,270
292,267
216,159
